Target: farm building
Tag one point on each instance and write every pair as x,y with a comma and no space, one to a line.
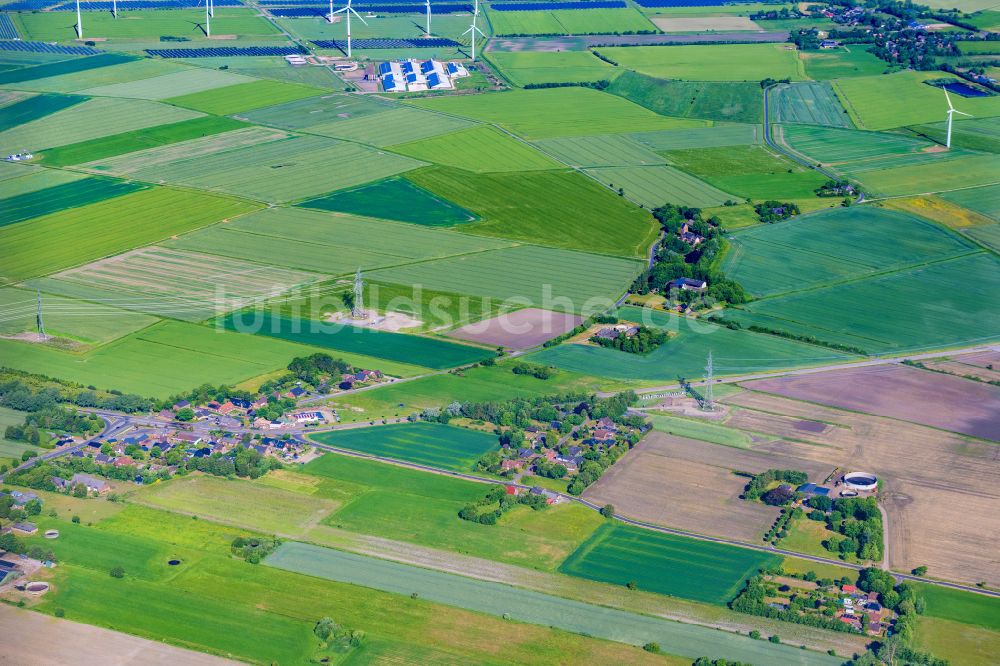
689,284
812,490
416,75
92,484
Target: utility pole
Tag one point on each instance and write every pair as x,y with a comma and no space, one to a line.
709,402
38,319
358,311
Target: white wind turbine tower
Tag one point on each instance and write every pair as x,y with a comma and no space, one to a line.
951,116
473,29
79,21
347,10
428,31
114,8
208,20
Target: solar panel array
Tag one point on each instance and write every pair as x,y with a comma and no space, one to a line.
227,52
431,42
547,6
678,3
135,5
297,3
29,5
319,10
44,47
7,28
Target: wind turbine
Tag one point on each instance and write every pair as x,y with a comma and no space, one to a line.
428,31
208,20
211,8
114,8
347,10
473,29
951,116
79,21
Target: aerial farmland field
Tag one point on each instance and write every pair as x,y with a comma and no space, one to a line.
809,102
479,149
524,68
739,62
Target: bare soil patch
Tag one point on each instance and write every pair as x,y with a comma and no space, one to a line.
520,329
900,392
706,23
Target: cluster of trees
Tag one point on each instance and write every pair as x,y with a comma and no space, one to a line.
644,341
594,465
533,369
54,419
11,544
778,529
337,637
759,482
316,368
776,14
774,211
859,520
33,393
674,258
522,412
253,549
241,462
482,512
837,188
707,661
814,610
597,85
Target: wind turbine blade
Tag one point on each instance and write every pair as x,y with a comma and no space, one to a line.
341,11
479,31
468,31
947,97
962,113
357,14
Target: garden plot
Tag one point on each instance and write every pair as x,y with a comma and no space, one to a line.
178,284
797,254
654,186
530,275
283,170
90,120
600,151
188,80
153,158
810,102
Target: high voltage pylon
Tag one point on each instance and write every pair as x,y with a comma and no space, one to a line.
358,310
38,319
708,404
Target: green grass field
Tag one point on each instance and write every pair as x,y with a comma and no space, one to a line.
841,63
964,310
111,75
528,606
92,119
534,67
26,179
246,96
11,449
76,193
708,137
481,149
64,66
985,200
540,114
600,151
149,25
749,171
711,100
902,99
568,21
128,142
972,133
190,80
81,235
543,207
653,186
82,321
928,177
856,150
526,274
701,429
963,607
400,347
432,444
665,563
394,199
810,102
312,111
729,62
797,254
33,108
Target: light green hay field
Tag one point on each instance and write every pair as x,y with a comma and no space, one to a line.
72,237
729,62
241,95
901,99
959,643
846,61
964,311
568,21
749,171
524,67
135,70
985,200
683,356
524,272
182,285
856,150
12,449
481,149
285,170
151,24
313,111
399,125
540,114
34,180
654,186
83,321
600,151
90,120
963,607
339,242
189,80
797,254
809,102
528,606
932,177
701,429
543,207
708,137
712,100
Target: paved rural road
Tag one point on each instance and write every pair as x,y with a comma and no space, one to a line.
650,526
